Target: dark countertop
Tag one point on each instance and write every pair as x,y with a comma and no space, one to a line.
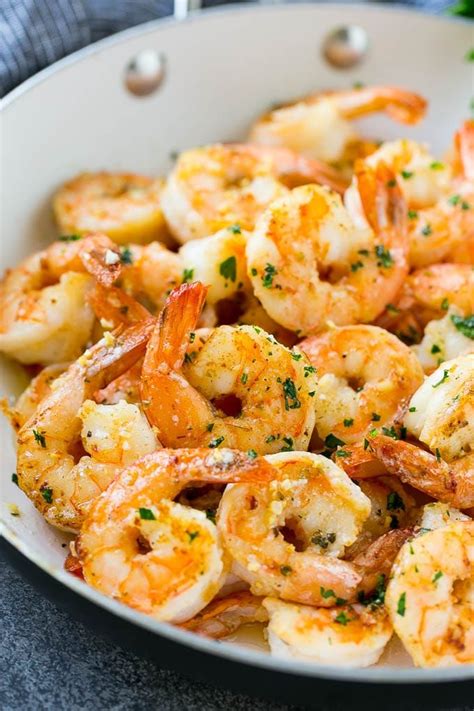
50,661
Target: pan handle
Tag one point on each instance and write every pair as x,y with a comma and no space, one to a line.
183,8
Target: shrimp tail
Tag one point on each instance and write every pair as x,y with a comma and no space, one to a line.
401,105
378,558
382,199
224,616
178,318
115,306
464,146
101,258
416,467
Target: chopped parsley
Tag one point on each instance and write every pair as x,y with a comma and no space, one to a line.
289,444
406,174
243,378
291,397
210,426
348,422
384,257
454,199
392,309
296,356
412,409
342,453
356,266
126,255
271,438
391,183
228,268
412,214
308,369
268,275
435,348
438,455
286,570
15,478
378,595
437,576
192,535
375,417
216,442
464,325
47,494
445,304
211,515
146,514
342,618
252,454
395,502
323,539
331,441
436,165
445,377
39,438
69,238
187,275
402,606
235,229
325,594
426,230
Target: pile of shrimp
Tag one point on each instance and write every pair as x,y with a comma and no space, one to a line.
252,393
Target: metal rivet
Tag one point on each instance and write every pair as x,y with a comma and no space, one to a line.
145,72
346,46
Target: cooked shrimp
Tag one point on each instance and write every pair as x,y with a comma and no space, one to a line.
140,547
430,596
309,265
60,484
319,125
219,186
391,509
239,387
125,206
441,415
436,515
444,339
39,387
218,262
346,636
463,196
434,227
224,616
45,317
364,375
426,295
284,538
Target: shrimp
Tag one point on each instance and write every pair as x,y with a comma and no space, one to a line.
430,596
445,339
218,186
309,265
391,509
364,374
441,416
464,196
434,227
37,390
345,636
319,126
60,484
238,387
284,538
45,317
140,547
224,616
124,206
218,262
426,295
436,515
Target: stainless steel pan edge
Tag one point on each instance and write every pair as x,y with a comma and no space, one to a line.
231,652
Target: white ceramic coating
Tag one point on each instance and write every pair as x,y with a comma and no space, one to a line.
223,68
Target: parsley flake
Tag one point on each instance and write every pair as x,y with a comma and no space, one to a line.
146,514
228,268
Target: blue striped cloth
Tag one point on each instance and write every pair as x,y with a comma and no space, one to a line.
36,33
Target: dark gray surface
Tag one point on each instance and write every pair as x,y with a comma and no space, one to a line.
50,661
